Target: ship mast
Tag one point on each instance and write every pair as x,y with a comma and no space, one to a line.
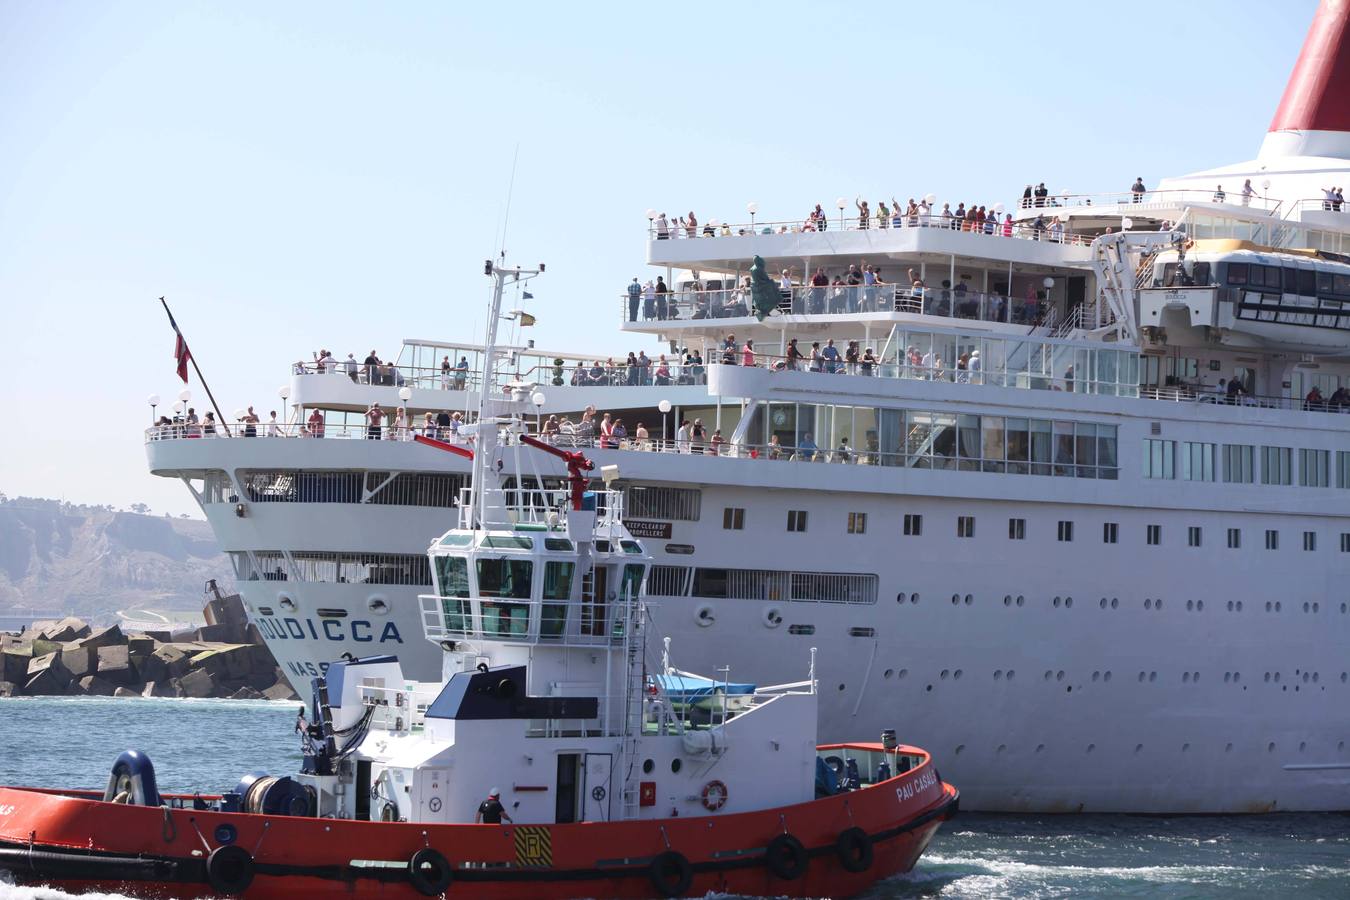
486,501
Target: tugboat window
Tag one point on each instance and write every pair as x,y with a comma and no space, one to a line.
557,586
509,579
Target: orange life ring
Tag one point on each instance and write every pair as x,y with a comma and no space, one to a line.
714,795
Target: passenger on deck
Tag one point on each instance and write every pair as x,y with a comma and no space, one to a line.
446,369
841,453
1219,195
314,424
1339,398
794,356
682,437
461,373
698,435
661,292
819,282
1138,190
1314,402
640,435
273,426
817,361
662,371
867,363
351,366
374,416
851,357
250,422
775,448
716,442
491,811
748,353
1234,391
806,448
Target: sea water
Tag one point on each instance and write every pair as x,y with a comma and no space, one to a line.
206,745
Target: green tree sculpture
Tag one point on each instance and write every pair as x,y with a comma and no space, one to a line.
763,292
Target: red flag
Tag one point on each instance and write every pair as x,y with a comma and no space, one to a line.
180,347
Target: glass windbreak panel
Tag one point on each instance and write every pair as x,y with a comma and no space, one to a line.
452,580
1041,447
1064,449
1019,446
456,539
558,544
631,547
1085,449
1107,464
992,428
968,449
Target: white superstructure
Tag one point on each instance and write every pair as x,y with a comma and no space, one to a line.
1040,529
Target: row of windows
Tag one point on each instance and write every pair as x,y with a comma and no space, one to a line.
762,584
334,568
1236,463
437,489
1017,531
660,502
1114,603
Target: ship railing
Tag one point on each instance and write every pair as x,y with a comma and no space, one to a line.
942,302
564,371
392,375
398,710
545,509
1320,204
177,430
993,225
1147,199
1212,394
922,451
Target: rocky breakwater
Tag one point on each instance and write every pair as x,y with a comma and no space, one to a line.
224,658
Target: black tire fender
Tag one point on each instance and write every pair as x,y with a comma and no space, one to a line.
786,857
854,849
229,869
429,872
671,874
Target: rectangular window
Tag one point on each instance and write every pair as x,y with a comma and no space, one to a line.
1310,540
913,524
965,526
733,518
796,520
1155,535
1314,468
1345,541
1197,461
1065,530
1234,538
1277,465
1343,469
1159,458
1239,463
1110,532
1017,529
1272,539
667,581
857,523
1193,536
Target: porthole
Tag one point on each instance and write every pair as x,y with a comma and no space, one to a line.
1267,606
647,766
968,599
998,674
1302,746
1190,605
1091,747
1096,676
959,748
1001,748
1278,605
1115,602
378,606
1152,676
1267,676
1342,607
841,686
1239,606
1185,677
1316,676
943,674
913,598
900,597
1142,676
1185,747
956,674
1059,676
1020,599
1011,673
1040,747
956,598
1317,607
1227,677
1007,599
1230,605
1237,676
1305,605
889,673
1157,604
1148,603
1068,603
1102,603
286,602
675,766
1227,748
902,673
1138,748
928,688
1277,677
1056,602
1049,673
1270,748
1106,676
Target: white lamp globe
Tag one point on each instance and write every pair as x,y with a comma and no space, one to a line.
841,203
664,406
1265,185
405,394
153,399
998,209
930,199
178,406
1127,223
1048,282
284,392
714,222
185,395
238,414
651,214
538,398
752,207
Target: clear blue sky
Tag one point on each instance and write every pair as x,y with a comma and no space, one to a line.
332,174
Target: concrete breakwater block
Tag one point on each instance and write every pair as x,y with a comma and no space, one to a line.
115,665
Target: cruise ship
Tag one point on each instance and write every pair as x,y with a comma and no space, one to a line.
1074,515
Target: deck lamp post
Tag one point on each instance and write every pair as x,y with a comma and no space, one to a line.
651,221
664,406
404,395
153,400
841,203
538,399
752,207
284,392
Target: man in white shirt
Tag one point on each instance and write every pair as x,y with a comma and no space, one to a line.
273,426
682,437
351,366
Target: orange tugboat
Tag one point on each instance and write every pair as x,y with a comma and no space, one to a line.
608,786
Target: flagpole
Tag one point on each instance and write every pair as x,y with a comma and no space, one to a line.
192,358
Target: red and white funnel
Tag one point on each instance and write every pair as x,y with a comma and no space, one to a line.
1313,118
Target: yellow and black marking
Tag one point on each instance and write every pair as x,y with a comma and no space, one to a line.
534,846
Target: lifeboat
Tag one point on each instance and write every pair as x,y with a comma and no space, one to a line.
559,755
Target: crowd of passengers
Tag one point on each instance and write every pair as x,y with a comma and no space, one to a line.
862,288
375,371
